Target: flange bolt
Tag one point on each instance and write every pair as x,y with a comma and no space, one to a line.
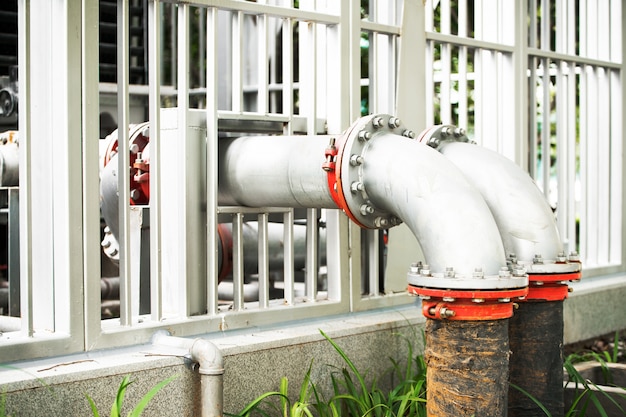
394,122
365,135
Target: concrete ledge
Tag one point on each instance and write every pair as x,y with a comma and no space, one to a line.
595,307
255,361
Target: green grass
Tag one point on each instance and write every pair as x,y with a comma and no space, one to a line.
116,407
351,394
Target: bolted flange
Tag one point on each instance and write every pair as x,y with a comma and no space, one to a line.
345,179
440,134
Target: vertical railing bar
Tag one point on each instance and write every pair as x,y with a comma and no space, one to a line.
237,65
571,157
571,29
173,42
533,23
13,252
373,261
238,272
592,29
263,64
532,130
479,95
183,122
444,92
264,265
312,82
287,69
123,119
430,82
617,167
560,24
545,25
545,128
288,257
592,166
212,160
582,31
373,73
462,73
604,165
312,260
201,48
584,129
462,85
91,208
428,16
604,26
26,205
616,28
155,73
563,132
462,13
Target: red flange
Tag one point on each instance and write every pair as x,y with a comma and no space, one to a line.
468,305
332,165
466,310
550,287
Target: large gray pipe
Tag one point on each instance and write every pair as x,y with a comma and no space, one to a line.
524,217
384,176
529,231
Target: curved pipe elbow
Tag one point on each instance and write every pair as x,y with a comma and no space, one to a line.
202,351
208,356
444,211
525,219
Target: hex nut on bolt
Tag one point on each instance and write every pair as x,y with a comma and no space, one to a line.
394,122
356,160
365,135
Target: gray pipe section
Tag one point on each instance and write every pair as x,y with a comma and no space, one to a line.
524,217
445,213
274,171
414,182
211,369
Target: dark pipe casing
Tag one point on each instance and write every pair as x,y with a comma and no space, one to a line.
467,368
536,363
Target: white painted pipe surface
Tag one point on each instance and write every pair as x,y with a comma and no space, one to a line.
526,221
211,369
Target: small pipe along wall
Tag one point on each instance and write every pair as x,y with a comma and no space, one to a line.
379,176
530,237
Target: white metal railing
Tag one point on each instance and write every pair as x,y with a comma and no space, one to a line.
245,77
576,66
564,62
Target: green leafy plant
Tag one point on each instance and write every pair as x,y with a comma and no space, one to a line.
351,395
116,407
587,393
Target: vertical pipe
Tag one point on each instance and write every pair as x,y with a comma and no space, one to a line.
467,367
536,365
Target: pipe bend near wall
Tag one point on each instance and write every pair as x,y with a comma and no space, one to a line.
444,211
400,176
526,221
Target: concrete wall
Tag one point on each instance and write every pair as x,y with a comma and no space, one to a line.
255,362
